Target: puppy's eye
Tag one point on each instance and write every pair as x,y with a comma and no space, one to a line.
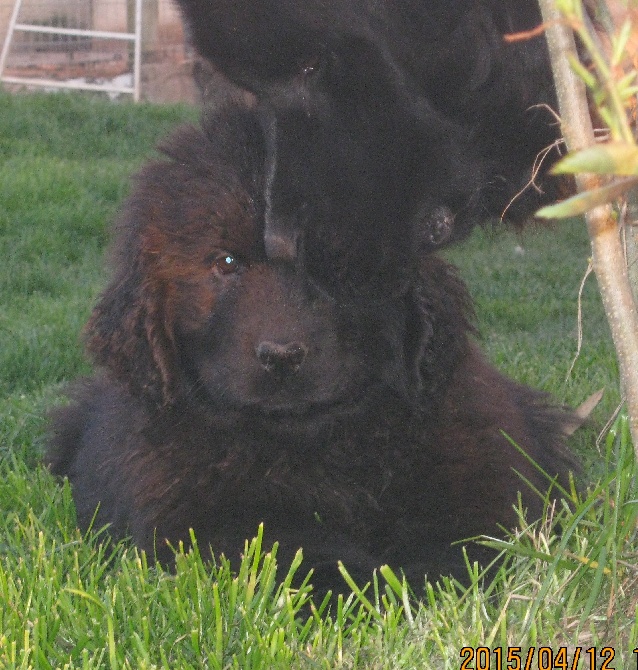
225,264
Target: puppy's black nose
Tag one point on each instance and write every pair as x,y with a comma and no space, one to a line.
281,359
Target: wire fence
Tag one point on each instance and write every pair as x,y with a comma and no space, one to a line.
54,51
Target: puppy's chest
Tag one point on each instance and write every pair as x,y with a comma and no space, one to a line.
352,473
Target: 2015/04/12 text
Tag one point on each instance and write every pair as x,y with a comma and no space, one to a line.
538,658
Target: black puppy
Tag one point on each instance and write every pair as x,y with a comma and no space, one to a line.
390,111
353,416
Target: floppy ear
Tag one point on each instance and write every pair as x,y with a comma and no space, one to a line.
444,315
130,330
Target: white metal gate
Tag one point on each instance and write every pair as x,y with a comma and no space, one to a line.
135,37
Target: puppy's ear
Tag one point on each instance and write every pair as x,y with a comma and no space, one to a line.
443,316
130,330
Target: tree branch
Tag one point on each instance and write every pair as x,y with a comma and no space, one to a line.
608,258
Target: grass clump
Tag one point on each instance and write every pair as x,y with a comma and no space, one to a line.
74,601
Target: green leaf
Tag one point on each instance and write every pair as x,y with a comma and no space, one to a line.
619,44
615,158
570,8
583,202
582,71
629,92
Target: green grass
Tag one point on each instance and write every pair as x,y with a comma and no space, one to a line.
68,601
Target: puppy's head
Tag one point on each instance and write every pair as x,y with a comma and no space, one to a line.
205,307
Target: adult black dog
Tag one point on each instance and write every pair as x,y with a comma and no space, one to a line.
236,387
395,110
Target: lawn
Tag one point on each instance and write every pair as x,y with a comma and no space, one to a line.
68,601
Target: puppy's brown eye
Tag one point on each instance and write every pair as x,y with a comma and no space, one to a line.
225,264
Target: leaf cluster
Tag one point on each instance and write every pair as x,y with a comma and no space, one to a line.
612,82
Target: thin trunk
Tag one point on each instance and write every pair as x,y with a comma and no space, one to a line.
630,231
608,257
